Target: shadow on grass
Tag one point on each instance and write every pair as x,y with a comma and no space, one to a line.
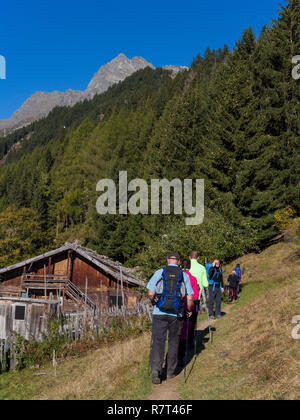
201,338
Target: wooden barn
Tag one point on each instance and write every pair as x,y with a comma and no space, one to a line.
72,276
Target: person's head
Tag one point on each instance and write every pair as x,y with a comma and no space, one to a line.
186,265
216,263
238,265
194,255
173,258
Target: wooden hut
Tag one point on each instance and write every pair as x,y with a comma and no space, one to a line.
73,276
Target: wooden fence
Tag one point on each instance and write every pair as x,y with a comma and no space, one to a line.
8,354
86,325
80,325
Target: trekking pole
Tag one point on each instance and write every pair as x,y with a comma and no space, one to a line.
204,300
195,326
149,364
195,340
186,347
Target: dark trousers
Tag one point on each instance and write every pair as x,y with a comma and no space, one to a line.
232,293
161,324
214,295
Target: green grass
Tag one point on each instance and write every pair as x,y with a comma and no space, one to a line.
20,385
137,386
118,371
253,355
251,291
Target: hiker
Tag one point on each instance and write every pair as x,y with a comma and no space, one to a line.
197,270
193,318
168,314
238,272
233,282
216,289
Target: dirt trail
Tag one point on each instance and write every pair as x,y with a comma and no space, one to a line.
168,389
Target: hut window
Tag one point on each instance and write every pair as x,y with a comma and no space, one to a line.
20,313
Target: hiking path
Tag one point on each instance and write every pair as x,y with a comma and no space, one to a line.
168,389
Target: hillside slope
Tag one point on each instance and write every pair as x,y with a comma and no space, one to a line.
253,355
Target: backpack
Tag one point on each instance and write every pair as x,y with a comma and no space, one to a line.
170,290
215,277
237,271
233,281
207,269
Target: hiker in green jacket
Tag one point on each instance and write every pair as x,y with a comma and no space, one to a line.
197,270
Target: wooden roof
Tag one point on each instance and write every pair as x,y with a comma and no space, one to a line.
110,267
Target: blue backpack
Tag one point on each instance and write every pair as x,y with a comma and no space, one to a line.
237,271
171,296
216,276
208,266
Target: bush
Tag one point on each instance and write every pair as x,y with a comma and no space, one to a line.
215,238
283,218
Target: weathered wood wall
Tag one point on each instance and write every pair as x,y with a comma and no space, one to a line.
100,286
97,281
32,326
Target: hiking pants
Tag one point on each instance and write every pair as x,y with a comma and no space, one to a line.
232,293
160,325
215,295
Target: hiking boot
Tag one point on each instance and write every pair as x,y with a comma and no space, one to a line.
212,317
156,378
219,316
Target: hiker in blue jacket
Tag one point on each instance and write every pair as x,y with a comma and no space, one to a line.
216,289
238,273
166,290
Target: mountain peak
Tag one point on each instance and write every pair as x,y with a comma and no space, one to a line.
115,71
122,55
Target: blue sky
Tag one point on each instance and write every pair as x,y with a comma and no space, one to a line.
59,45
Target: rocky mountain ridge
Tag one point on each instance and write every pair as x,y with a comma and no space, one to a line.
40,104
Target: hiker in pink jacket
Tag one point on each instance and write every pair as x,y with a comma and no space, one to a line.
193,319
